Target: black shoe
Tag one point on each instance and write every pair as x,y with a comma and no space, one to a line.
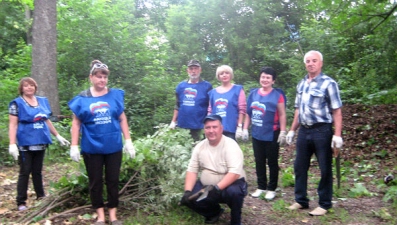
214,219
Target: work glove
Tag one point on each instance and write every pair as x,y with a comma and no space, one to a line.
239,133
290,137
185,198
337,142
129,148
75,153
172,125
14,151
245,135
215,192
282,138
62,140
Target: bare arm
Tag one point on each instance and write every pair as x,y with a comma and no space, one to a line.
190,180
295,122
12,129
228,180
282,116
51,127
75,130
124,126
337,117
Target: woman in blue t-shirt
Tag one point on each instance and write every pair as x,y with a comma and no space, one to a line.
266,113
30,134
98,113
229,102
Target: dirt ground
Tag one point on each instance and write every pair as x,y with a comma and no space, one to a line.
370,136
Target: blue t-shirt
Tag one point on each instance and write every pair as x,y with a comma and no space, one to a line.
226,106
32,126
100,124
193,102
262,111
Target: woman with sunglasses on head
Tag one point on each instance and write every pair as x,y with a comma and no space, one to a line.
30,134
98,113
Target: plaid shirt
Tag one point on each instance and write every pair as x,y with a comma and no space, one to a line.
317,99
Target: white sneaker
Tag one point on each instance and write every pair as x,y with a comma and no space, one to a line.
257,193
270,195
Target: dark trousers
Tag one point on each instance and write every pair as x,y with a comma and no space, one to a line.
230,134
233,196
30,162
196,134
316,140
266,153
94,164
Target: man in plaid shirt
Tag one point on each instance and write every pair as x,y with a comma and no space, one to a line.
317,107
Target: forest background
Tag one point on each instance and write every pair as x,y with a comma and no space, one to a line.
147,43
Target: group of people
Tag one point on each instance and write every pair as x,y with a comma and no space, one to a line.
216,166
98,120
215,169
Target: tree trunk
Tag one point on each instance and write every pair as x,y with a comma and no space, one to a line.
44,51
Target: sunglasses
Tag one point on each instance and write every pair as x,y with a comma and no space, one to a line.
98,66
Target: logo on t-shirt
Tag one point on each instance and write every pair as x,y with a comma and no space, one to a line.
38,120
190,95
221,106
101,112
258,112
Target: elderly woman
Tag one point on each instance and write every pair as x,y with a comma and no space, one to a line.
30,134
228,101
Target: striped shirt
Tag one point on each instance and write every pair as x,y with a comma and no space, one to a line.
317,99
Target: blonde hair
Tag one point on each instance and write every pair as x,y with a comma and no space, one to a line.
224,68
28,80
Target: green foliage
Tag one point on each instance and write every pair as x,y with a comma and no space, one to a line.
288,177
359,190
161,161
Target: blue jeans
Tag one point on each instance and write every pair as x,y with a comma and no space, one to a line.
315,140
233,196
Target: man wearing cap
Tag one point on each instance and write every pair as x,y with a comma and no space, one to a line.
191,101
219,162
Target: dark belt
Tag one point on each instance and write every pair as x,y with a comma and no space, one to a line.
313,125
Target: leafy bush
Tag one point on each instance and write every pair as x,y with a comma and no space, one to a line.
154,179
161,162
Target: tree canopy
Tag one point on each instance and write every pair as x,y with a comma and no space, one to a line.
146,44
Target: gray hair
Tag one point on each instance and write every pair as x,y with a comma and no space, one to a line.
310,52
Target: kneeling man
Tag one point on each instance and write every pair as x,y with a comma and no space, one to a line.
219,162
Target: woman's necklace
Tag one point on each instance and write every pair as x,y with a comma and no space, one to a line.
31,101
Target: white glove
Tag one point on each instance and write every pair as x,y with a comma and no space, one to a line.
129,148
75,153
245,135
290,136
239,133
172,125
14,151
282,138
62,140
337,142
